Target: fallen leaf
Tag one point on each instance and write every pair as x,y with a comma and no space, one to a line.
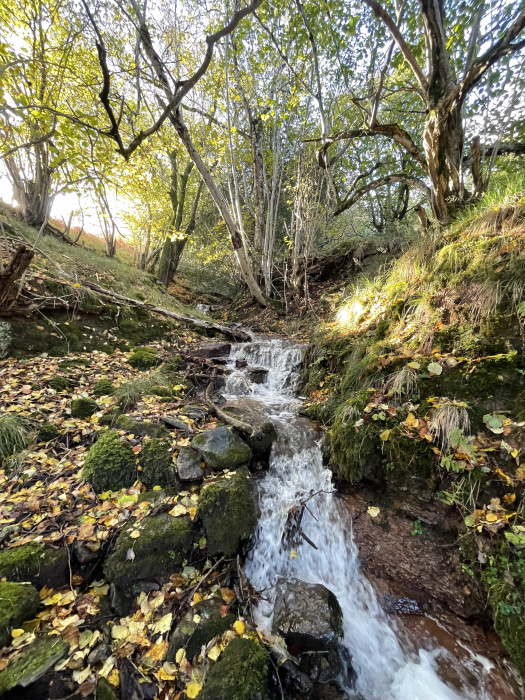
373,511
193,689
239,627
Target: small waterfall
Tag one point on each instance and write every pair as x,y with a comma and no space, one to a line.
387,667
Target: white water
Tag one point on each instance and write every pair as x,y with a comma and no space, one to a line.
387,668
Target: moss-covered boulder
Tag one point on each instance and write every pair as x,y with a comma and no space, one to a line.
36,563
163,543
59,384
18,603
33,662
140,427
110,464
191,635
83,408
103,387
221,448
241,673
228,512
143,357
189,465
157,467
48,432
110,417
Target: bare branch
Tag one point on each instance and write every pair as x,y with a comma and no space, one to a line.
355,196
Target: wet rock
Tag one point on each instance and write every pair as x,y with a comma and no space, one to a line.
197,413
157,465
257,375
221,448
228,511
33,662
110,464
83,554
40,565
241,673
159,551
262,440
99,654
332,667
189,465
212,350
18,603
192,635
295,681
175,423
307,615
83,408
400,606
240,364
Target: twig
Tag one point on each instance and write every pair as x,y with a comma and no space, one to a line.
234,422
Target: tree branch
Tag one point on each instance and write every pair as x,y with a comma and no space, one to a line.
355,196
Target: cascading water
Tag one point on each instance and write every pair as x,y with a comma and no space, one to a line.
388,667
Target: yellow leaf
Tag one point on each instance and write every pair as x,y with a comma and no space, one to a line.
134,534
227,595
166,676
177,510
193,512
163,625
193,689
16,633
197,598
77,284
514,453
293,554
114,677
385,435
373,511
180,655
491,517
410,420
119,632
509,499
239,627
214,652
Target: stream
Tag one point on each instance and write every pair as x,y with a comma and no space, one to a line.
390,665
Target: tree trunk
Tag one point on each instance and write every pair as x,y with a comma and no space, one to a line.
258,181
222,206
9,289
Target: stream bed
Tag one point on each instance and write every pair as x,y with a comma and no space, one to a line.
391,661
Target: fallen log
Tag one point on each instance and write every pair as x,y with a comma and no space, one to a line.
226,417
235,333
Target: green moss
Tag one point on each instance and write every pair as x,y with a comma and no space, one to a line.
83,408
158,467
48,432
18,603
193,635
140,427
76,362
241,673
103,387
174,365
105,691
59,384
33,662
354,453
228,512
164,542
35,563
109,418
143,357
109,464
504,582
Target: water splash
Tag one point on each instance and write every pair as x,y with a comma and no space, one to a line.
387,669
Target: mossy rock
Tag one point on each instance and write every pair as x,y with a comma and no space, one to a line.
33,662
77,362
143,358
18,603
103,387
105,690
221,448
36,563
228,512
192,635
163,544
241,673
59,384
140,427
48,432
83,408
158,467
110,464
354,453
174,365
110,417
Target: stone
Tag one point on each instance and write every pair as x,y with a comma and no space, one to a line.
83,554
212,350
189,465
221,448
83,408
175,423
228,511
257,375
192,635
99,654
157,465
262,440
241,673
141,428
33,662
307,615
43,566
110,464
164,542
198,413
110,417
18,603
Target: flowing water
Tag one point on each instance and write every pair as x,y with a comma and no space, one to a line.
388,666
